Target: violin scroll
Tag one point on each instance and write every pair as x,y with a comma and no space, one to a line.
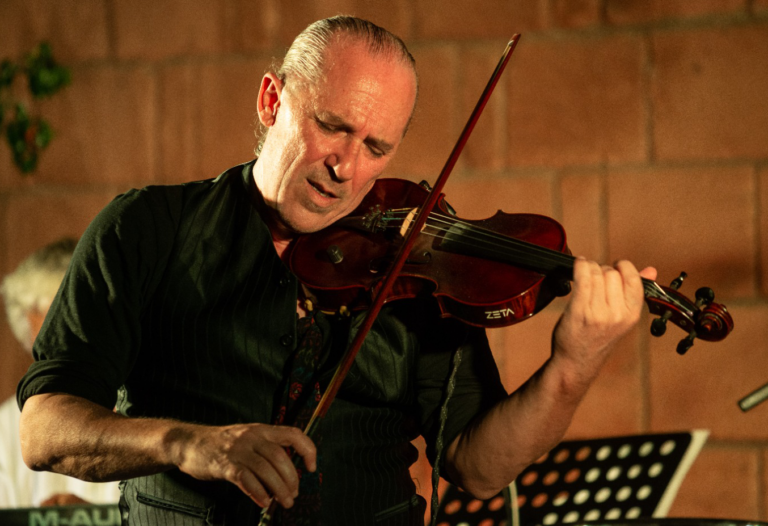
703,318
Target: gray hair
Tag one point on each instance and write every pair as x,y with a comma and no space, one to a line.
305,59
33,285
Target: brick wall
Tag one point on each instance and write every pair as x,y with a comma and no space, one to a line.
641,125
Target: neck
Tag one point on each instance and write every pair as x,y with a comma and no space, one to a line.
281,244
281,236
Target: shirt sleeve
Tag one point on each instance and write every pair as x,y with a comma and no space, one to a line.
91,335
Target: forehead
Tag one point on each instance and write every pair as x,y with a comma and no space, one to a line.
357,85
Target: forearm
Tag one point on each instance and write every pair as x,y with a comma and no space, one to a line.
494,449
73,436
76,437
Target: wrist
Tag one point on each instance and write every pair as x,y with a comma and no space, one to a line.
176,441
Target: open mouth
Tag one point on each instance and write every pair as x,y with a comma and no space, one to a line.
321,190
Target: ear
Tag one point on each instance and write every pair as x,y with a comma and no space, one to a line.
269,98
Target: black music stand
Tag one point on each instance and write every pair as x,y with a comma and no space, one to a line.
586,480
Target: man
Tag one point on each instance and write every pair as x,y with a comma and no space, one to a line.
27,293
178,297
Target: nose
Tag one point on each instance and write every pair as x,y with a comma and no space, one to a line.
344,159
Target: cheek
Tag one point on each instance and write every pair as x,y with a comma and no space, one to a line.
361,193
368,176
368,186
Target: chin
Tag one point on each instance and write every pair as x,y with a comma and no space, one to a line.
310,225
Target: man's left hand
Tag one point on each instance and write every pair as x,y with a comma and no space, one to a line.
606,303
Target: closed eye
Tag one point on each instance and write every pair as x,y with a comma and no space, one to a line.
326,126
377,148
376,152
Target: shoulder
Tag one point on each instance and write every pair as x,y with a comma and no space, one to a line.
164,206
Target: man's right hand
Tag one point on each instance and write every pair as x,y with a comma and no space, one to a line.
254,457
93,443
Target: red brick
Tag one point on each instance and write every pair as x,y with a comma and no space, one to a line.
76,30
4,203
434,129
575,14
721,484
583,207
763,246
394,16
247,25
708,91
34,219
208,114
764,516
622,12
485,148
103,125
454,19
701,389
697,220
179,110
480,198
10,175
566,110
156,30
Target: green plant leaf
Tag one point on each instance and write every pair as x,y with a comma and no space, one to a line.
7,71
27,137
45,76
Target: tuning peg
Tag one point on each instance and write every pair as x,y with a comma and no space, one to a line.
704,296
686,343
659,325
678,280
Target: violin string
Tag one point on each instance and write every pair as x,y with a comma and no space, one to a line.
527,253
504,245
521,251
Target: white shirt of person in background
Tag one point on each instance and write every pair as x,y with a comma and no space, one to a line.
28,292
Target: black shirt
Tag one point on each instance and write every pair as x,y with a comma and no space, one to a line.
176,299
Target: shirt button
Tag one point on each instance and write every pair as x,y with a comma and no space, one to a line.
286,340
285,280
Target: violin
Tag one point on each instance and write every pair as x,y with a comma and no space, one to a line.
490,273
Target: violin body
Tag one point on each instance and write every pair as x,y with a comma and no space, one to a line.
489,273
342,265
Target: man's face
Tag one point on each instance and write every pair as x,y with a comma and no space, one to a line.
328,143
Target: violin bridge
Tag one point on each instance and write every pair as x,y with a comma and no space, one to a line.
407,222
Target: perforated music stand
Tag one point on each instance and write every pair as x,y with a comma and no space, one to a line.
586,480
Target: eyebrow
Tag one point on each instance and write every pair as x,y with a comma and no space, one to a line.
335,120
